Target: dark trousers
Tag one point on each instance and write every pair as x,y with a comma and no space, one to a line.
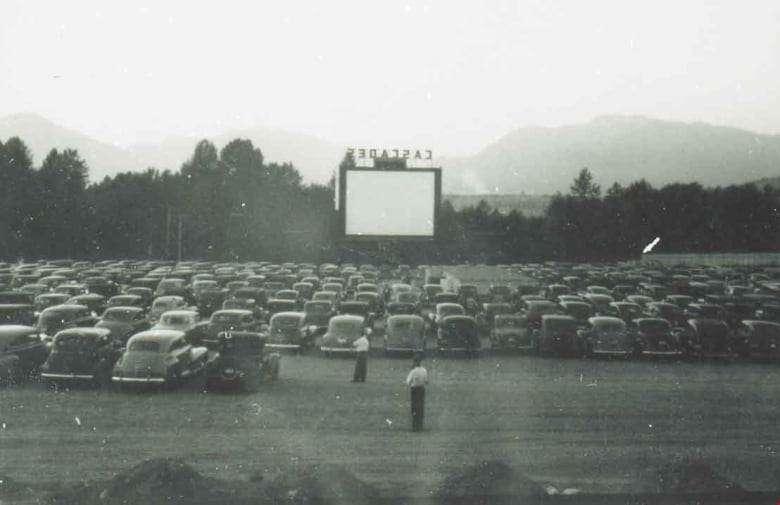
360,367
418,407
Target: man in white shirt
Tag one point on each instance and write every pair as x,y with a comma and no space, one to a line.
361,346
416,380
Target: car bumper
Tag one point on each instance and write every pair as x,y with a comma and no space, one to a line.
138,380
66,376
342,350
283,346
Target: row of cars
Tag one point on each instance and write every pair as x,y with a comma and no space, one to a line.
564,310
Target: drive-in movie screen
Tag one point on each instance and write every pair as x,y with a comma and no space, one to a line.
417,252
390,203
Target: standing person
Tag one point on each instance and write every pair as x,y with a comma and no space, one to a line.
361,364
416,380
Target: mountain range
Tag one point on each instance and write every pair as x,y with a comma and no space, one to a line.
530,160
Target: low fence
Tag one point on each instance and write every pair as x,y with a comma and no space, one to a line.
714,259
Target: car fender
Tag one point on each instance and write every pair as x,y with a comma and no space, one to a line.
199,353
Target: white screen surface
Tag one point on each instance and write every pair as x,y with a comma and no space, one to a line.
394,203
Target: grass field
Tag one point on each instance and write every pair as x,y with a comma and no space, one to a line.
596,426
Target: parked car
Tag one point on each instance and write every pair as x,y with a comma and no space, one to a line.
457,333
122,322
318,314
60,317
159,357
210,300
95,302
164,304
181,320
608,336
656,337
21,353
581,311
759,340
404,333
512,332
342,331
46,300
289,330
710,338
558,336
241,361
126,301
146,294
82,355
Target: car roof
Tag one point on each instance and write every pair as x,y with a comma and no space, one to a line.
605,319
348,317
288,314
84,331
124,308
404,317
233,312
179,312
160,336
752,323
65,307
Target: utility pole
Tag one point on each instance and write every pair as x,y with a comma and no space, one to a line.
167,232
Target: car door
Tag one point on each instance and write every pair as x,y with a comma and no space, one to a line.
180,351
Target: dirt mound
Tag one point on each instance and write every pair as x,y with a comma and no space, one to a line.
486,482
157,481
695,477
321,484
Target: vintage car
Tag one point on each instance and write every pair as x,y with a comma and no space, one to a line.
82,355
457,333
146,294
95,302
46,300
669,311
511,332
34,289
758,340
580,311
21,353
334,287
164,304
17,314
305,290
640,300
60,317
181,320
276,305
373,300
240,362
122,322
210,300
489,311
326,296
558,336
404,333
230,320
536,309
608,336
289,330
429,291
600,303
342,331
706,311
656,337
318,314
626,311
681,301
172,286
443,310
500,293
709,338
357,309
126,301
159,357
271,287
101,286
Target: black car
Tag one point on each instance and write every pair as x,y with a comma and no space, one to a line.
85,355
241,362
21,353
17,313
60,317
458,333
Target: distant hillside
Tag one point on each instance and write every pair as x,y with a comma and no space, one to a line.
316,159
616,149
773,182
529,205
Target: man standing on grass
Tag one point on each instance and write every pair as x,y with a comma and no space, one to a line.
416,380
361,346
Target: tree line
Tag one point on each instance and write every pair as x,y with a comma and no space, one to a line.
233,205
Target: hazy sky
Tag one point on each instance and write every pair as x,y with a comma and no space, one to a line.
449,75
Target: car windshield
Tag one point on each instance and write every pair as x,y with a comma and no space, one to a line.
225,318
560,325
144,346
74,342
654,327
508,321
123,316
175,319
317,308
610,326
285,322
345,328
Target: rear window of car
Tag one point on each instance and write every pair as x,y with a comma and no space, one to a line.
123,316
175,319
346,328
224,318
317,308
285,322
561,325
610,326
73,342
144,345
654,326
